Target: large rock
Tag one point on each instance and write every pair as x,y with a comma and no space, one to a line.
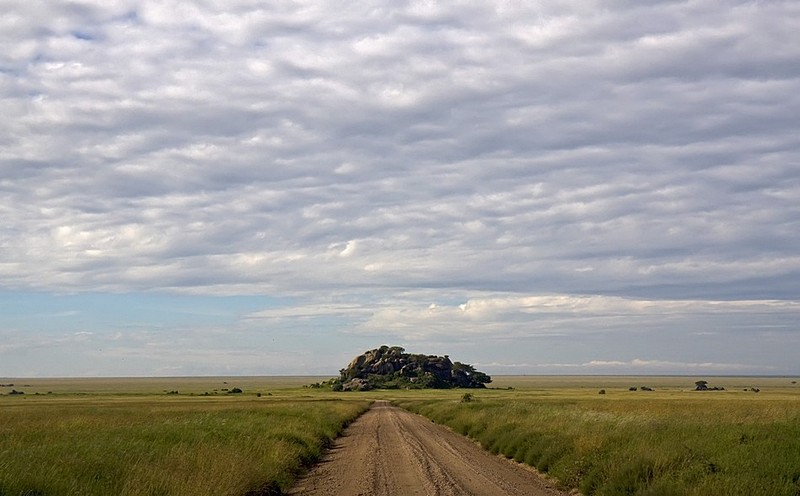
392,367
356,385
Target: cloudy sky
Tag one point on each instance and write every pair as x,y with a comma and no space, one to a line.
242,187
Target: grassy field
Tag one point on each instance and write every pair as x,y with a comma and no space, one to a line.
102,437
669,441
138,386
176,436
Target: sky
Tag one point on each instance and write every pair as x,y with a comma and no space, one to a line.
265,188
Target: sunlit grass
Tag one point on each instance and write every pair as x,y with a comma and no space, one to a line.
669,441
170,445
129,437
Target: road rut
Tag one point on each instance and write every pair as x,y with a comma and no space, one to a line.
389,451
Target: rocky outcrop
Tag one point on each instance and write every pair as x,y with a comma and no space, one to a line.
391,367
356,385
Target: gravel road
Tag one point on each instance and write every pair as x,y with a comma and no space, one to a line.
389,451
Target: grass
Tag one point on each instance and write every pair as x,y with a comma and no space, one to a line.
672,441
141,444
129,437
138,386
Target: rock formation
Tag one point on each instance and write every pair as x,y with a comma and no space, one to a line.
392,368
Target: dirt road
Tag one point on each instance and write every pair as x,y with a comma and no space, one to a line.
389,451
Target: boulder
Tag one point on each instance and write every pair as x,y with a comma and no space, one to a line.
392,367
356,384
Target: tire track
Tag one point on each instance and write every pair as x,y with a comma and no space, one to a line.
389,451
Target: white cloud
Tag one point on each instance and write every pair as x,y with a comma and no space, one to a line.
349,249
642,155
636,366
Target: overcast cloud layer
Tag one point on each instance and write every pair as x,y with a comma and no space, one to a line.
566,187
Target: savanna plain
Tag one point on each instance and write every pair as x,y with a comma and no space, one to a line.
257,435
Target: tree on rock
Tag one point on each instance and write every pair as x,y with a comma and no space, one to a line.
703,386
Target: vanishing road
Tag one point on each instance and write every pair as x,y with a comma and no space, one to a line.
389,451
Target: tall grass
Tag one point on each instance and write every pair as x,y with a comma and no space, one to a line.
85,439
163,446
674,443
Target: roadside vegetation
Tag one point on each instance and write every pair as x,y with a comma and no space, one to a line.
239,444
665,441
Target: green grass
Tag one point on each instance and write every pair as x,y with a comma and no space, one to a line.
672,441
63,444
128,437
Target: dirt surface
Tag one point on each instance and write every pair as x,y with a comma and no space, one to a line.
389,451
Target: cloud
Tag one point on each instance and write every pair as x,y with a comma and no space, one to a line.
389,156
486,313
633,367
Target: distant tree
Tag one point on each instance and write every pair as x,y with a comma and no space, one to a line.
701,385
